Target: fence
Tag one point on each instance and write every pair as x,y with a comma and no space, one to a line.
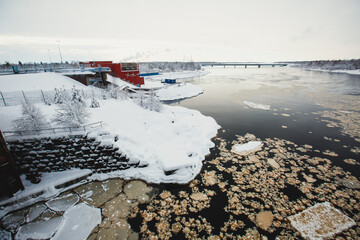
54,130
37,96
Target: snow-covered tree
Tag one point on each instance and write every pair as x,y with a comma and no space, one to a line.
75,95
153,103
72,111
94,103
148,101
116,92
31,120
104,94
59,95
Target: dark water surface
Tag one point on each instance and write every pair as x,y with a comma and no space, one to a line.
289,91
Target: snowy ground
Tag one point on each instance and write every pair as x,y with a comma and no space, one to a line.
178,91
37,81
172,139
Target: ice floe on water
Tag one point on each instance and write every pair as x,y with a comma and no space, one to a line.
39,230
321,221
257,105
78,222
178,91
35,212
5,235
43,190
246,148
63,203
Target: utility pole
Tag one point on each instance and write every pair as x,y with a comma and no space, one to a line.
58,41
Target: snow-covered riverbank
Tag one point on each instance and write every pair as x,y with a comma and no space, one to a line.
333,66
353,72
177,75
173,139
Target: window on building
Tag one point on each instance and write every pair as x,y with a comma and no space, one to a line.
129,67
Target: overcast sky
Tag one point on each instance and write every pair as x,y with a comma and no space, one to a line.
179,30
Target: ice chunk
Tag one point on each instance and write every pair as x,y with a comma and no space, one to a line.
39,230
5,235
78,222
137,190
98,193
257,105
35,211
63,203
264,219
273,163
247,148
13,220
321,221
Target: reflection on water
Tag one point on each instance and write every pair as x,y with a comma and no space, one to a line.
292,93
310,155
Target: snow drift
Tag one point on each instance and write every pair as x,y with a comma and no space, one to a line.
178,91
37,81
174,140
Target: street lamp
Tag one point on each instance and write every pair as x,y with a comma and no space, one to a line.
58,41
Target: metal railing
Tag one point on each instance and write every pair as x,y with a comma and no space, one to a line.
54,130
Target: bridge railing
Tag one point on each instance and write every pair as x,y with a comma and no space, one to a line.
54,130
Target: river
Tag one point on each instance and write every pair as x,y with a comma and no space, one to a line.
290,91
310,155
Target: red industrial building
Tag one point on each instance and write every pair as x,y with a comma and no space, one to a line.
125,71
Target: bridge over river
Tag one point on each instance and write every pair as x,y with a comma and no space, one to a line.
243,64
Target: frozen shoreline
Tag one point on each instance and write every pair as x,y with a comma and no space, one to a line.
352,72
173,139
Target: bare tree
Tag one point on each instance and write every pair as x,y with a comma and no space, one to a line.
148,101
31,120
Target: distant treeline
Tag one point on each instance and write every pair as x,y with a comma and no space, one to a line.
352,64
168,66
36,67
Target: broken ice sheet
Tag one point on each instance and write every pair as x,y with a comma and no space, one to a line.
35,211
246,148
97,193
321,221
78,222
63,203
5,235
13,220
257,105
39,230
